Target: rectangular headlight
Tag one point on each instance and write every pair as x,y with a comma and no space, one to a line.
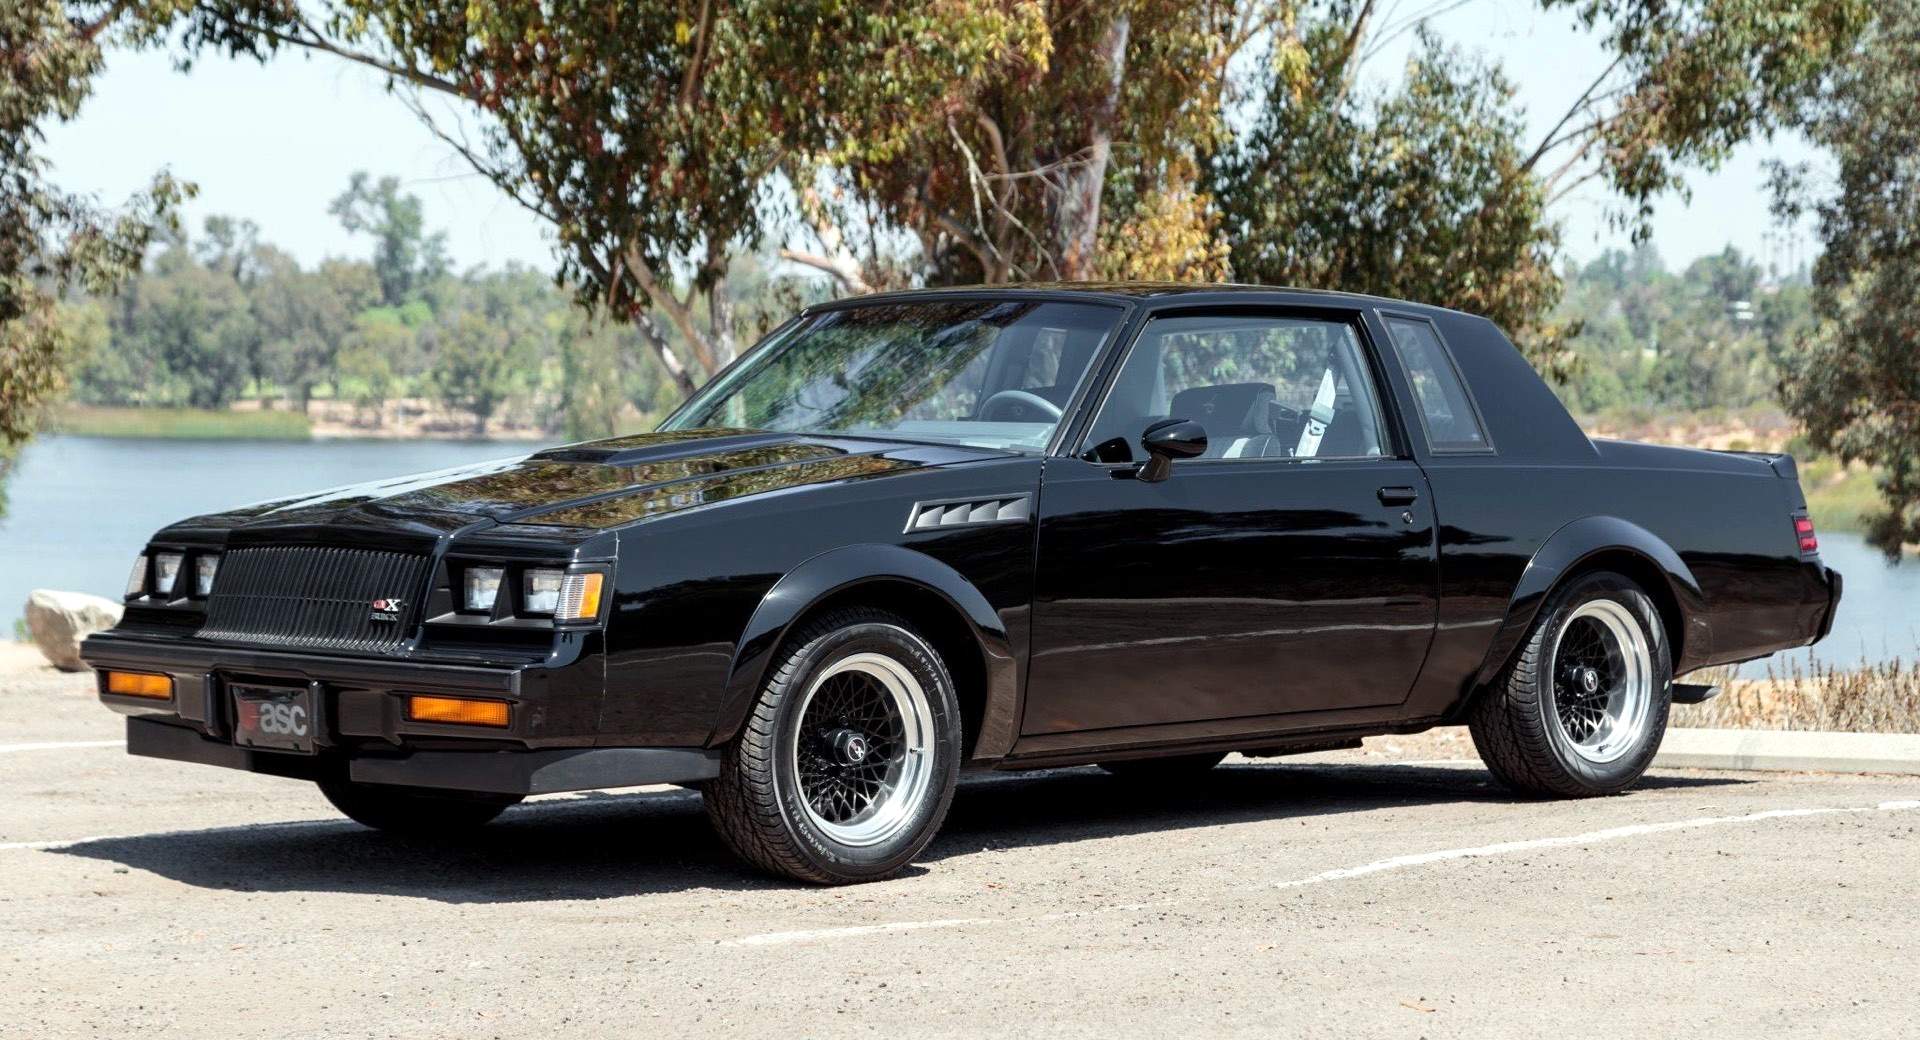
540,590
205,566
137,581
579,597
166,572
482,587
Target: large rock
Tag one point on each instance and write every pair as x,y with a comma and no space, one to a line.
58,621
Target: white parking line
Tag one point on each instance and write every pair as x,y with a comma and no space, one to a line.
1343,873
58,745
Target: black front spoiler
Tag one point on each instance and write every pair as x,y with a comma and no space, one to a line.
501,772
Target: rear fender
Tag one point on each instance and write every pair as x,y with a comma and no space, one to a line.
844,570
1569,551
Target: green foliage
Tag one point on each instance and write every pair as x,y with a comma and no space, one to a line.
406,257
180,423
52,241
1855,381
1711,336
1694,78
1417,192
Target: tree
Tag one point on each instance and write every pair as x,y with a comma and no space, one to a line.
194,324
52,241
1427,191
405,255
1418,192
1855,382
646,133
488,344
304,316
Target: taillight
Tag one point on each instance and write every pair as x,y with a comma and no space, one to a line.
1803,530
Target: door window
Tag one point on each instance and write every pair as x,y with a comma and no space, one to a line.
1262,387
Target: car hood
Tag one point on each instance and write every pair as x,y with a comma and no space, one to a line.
594,485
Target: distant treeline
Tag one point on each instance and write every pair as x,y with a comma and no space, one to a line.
1713,335
224,316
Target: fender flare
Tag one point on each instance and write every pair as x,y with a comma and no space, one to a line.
839,570
1564,552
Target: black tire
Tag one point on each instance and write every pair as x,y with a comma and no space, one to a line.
1166,769
759,805
414,810
1518,725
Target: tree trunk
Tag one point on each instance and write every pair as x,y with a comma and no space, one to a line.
719,309
1077,221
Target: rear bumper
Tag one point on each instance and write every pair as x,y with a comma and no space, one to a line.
502,772
1834,584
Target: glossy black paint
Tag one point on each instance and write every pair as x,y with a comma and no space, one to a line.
1256,603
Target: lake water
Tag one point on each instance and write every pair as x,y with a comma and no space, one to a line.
80,508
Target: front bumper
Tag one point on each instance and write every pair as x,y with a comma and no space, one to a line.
501,772
361,726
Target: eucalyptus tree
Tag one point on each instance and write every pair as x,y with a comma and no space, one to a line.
53,240
1430,189
1855,381
647,133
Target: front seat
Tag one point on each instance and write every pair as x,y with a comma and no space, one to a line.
1234,415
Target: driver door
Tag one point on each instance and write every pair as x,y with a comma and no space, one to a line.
1285,572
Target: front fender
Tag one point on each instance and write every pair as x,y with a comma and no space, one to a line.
1565,552
845,568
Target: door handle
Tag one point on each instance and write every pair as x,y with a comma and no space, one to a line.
1398,496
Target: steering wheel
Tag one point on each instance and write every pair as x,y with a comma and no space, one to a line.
1018,402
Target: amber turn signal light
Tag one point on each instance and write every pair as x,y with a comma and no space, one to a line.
580,597
457,710
140,684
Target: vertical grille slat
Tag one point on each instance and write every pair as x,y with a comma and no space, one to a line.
314,597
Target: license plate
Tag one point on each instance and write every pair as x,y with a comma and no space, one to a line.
276,717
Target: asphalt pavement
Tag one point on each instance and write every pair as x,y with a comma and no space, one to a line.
1392,892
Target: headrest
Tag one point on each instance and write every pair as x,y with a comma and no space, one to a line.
1225,408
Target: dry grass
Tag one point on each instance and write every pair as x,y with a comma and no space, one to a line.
1873,698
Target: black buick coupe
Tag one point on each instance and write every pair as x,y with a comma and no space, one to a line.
910,534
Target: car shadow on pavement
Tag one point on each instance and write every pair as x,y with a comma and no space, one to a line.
604,845
1082,804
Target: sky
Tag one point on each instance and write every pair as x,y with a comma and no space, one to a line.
275,143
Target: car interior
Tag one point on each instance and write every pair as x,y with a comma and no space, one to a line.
1298,389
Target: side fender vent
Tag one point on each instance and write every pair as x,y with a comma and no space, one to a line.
963,512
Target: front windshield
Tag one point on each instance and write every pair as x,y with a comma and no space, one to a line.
989,373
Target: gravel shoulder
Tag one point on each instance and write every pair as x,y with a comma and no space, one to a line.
1390,891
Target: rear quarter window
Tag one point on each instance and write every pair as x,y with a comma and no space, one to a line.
1447,411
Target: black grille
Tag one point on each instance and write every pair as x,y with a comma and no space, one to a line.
314,597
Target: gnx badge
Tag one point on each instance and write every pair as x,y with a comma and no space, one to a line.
387,609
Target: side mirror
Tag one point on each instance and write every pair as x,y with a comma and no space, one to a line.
1167,440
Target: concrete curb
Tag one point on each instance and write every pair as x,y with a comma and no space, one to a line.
1790,750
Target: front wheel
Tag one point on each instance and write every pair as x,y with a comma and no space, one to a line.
846,766
414,810
1583,707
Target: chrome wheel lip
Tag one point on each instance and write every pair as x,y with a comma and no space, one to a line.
908,779
1629,689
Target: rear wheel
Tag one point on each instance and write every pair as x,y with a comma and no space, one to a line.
414,810
845,768
1583,706
1169,768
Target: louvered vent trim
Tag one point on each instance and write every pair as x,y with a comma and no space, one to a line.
314,597
932,516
